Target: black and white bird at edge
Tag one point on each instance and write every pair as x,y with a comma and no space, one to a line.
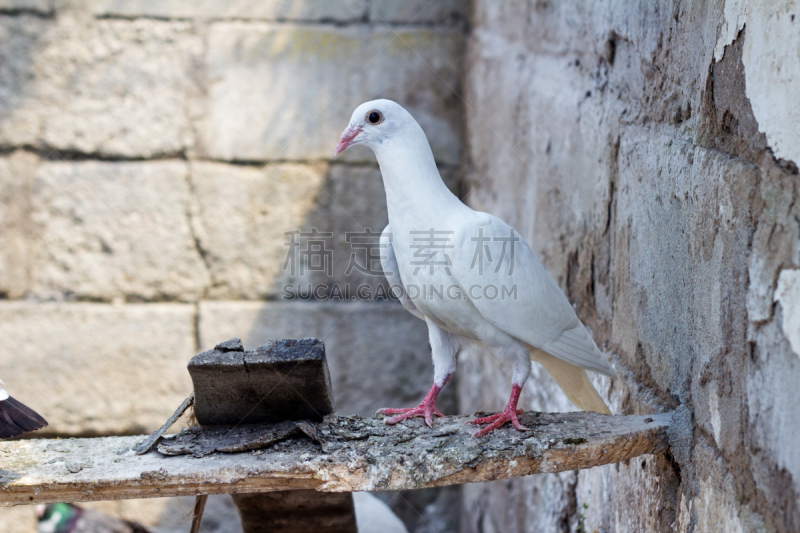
16,418
470,276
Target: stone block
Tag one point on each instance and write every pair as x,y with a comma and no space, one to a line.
418,11
16,171
241,215
378,353
350,203
22,36
110,87
97,368
38,6
303,10
104,230
287,92
769,390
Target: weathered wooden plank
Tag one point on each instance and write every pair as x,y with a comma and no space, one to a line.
351,454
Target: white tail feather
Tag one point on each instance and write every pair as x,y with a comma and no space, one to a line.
576,346
573,381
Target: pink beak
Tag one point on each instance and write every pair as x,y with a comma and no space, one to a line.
348,136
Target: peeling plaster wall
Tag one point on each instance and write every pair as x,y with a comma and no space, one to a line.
648,151
770,58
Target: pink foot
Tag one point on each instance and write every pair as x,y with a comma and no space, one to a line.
426,409
509,414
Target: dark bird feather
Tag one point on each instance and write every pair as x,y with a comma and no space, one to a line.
17,419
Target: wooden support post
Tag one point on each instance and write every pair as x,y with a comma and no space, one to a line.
281,381
197,512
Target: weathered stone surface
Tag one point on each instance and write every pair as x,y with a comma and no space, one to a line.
346,454
788,294
122,88
19,117
40,6
97,368
378,353
418,11
303,10
101,79
241,215
110,230
351,206
770,65
16,248
350,202
632,162
287,92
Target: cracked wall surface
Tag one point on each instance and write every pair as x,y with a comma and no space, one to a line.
152,156
647,151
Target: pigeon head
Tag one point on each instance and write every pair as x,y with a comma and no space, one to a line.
377,123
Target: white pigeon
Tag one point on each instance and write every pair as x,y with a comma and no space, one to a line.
468,275
16,418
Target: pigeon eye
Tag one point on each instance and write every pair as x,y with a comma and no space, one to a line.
375,117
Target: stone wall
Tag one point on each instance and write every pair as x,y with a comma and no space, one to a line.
152,155
648,151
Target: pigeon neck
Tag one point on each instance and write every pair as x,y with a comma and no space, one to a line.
413,185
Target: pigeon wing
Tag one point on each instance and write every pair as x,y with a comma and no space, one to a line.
498,272
392,273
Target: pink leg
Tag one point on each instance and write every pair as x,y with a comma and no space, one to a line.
426,409
509,414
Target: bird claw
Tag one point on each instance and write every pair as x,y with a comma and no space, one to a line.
496,421
425,410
